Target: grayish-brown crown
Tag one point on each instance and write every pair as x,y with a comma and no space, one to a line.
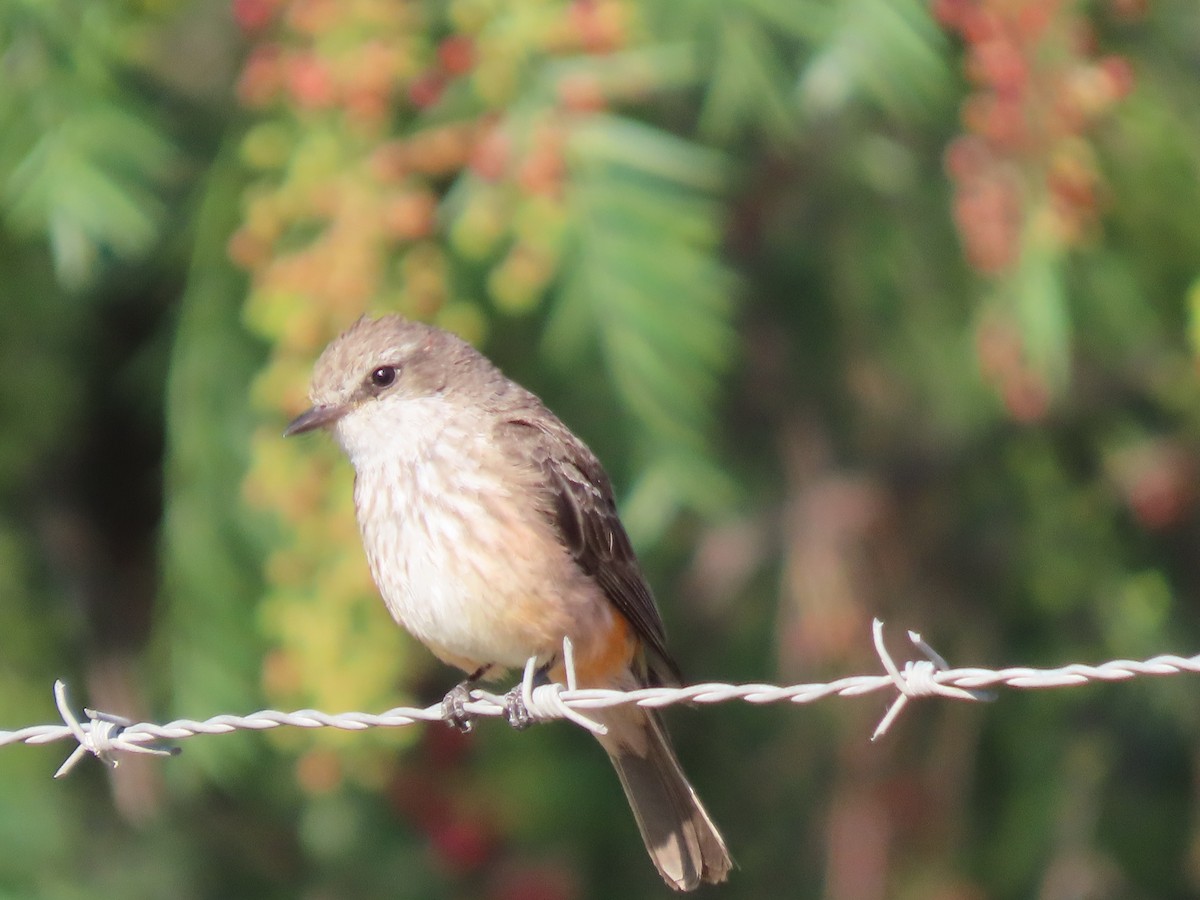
427,360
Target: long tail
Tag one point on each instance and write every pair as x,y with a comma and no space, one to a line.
680,836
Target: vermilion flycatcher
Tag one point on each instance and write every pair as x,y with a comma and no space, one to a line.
492,534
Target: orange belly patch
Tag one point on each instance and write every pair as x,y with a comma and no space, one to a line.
603,660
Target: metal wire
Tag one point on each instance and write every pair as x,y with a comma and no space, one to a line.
106,736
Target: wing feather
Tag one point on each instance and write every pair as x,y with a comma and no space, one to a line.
579,500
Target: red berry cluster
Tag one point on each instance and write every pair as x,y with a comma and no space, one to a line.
405,152
1001,355
1039,89
1024,171
370,111
1156,478
298,64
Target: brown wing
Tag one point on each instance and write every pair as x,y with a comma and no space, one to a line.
581,505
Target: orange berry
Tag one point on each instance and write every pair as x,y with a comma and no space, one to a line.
489,158
581,93
979,24
388,161
246,250
1032,21
456,54
437,151
310,82
966,156
313,17
367,110
950,13
262,76
411,215
426,90
999,64
253,15
541,172
1119,72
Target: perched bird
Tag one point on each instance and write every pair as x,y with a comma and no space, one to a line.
492,534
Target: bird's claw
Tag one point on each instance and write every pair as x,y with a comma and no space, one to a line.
516,713
454,708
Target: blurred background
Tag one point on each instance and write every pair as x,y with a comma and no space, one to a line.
871,307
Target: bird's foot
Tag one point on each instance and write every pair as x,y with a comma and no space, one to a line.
454,708
454,704
516,713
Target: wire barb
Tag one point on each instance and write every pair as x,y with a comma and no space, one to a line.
547,701
530,702
100,736
106,736
918,678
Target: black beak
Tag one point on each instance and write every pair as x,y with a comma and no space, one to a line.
317,417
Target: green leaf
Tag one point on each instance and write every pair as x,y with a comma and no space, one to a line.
888,53
1041,304
750,88
644,277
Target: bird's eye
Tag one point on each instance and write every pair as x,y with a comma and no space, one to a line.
383,376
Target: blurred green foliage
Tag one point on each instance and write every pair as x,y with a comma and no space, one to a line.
871,307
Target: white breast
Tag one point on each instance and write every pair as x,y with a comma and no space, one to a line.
461,556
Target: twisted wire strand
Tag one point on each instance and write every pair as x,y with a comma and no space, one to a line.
106,736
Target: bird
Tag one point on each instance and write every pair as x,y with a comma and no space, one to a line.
492,533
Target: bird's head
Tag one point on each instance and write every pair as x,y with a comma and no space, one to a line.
366,380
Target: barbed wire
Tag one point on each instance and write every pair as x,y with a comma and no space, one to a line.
106,736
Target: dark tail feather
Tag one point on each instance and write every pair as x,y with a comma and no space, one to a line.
682,840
